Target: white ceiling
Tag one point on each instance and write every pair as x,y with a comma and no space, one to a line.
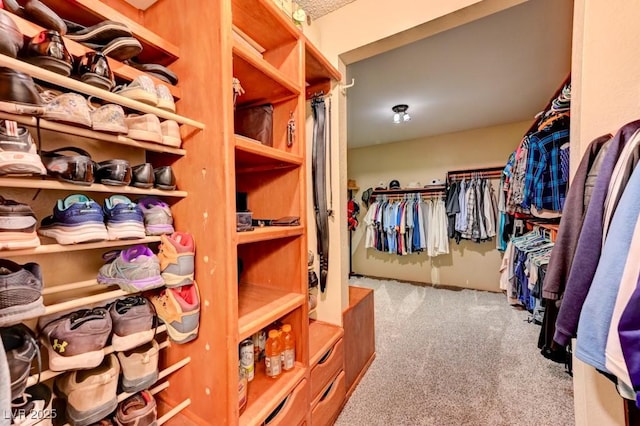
496,70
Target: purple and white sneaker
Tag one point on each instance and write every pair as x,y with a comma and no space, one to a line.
134,269
125,220
76,219
158,219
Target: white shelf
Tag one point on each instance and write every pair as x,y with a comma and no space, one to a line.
78,86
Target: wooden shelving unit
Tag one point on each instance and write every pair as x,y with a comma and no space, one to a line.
50,183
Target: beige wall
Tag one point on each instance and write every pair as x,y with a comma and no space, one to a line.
605,95
468,265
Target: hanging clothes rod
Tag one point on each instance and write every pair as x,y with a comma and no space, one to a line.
484,172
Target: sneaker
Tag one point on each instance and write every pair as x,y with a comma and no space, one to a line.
145,127
33,407
141,89
165,98
158,219
17,226
171,133
18,154
20,292
177,259
91,395
137,410
21,348
108,118
68,108
134,269
75,340
125,220
179,309
139,367
132,319
76,219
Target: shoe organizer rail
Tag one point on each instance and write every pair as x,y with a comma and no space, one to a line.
78,86
29,120
47,375
51,183
175,410
60,248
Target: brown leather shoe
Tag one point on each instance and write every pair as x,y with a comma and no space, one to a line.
18,94
10,36
137,410
42,15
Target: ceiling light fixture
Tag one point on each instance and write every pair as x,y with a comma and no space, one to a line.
400,114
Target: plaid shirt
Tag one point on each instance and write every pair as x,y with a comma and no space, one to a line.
545,186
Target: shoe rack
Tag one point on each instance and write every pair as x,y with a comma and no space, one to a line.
69,271
197,42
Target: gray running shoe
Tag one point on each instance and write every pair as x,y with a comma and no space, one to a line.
20,292
134,269
158,219
132,319
17,225
75,340
21,347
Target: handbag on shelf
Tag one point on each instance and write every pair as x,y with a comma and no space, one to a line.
255,122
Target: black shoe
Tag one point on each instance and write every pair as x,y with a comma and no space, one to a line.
77,168
93,68
47,50
100,33
45,17
142,176
114,172
21,347
34,403
18,93
120,49
164,178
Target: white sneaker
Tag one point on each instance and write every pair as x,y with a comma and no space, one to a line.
171,133
165,98
140,89
145,127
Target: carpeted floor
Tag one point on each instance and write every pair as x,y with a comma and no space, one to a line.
455,358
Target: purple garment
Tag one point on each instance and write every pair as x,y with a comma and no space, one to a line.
629,332
589,246
570,226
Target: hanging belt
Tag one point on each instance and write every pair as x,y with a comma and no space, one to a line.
319,176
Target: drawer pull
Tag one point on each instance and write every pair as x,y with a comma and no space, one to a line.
276,411
326,393
325,356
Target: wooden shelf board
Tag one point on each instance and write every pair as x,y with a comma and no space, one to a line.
28,120
322,336
259,19
249,68
251,153
121,70
269,233
78,86
59,248
317,67
49,183
259,306
265,393
155,49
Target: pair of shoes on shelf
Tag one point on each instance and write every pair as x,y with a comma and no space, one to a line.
133,269
179,309
18,153
146,176
143,90
76,339
147,127
111,38
79,219
74,165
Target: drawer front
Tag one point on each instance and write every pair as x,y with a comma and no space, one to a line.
327,368
327,407
293,409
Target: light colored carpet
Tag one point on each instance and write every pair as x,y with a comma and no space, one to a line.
455,358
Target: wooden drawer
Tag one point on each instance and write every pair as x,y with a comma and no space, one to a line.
327,406
293,409
327,368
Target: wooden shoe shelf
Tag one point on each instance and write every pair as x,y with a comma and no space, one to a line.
276,64
69,271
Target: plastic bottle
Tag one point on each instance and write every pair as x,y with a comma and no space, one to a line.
288,348
273,352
